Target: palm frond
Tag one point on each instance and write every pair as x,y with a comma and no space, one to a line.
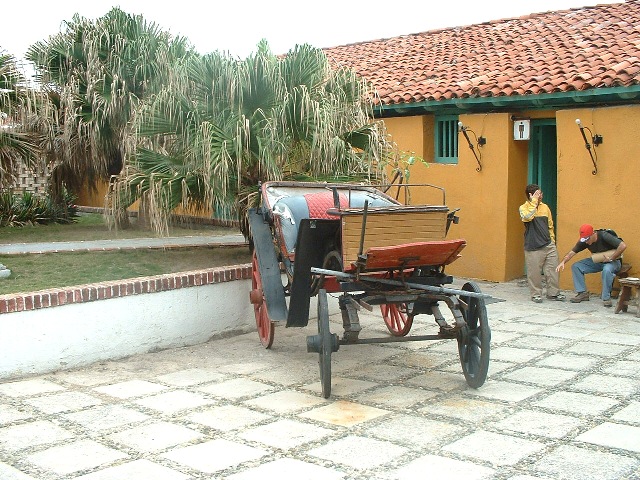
99,72
224,125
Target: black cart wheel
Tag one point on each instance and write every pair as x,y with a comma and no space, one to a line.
328,343
474,341
332,261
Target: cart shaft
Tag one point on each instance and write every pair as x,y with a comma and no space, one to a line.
412,338
385,281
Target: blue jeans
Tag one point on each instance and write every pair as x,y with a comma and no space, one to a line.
609,270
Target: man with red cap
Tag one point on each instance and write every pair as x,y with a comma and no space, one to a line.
606,249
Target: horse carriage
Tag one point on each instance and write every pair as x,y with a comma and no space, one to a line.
372,250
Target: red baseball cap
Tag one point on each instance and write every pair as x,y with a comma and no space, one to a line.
586,231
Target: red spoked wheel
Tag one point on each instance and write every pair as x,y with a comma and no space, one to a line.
266,328
398,321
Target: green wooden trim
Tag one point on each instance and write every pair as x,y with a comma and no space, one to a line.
446,139
583,98
543,121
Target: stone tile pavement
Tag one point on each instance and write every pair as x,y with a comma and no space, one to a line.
562,401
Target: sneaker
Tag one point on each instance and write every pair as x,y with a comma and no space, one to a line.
580,297
607,303
559,297
537,298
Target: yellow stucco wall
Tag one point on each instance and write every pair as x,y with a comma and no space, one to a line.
96,198
93,198
408,133
486,198
608,199
489,199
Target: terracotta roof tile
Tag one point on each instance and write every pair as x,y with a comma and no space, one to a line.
561,51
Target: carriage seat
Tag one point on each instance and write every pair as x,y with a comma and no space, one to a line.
289,211
292,209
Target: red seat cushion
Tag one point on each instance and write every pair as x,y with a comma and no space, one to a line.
320,202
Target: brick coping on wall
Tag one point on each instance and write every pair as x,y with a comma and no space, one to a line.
20,302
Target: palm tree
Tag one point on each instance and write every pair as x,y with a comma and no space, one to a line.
225,125
96,73
18,142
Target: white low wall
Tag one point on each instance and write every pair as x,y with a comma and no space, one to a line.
43,332
66,336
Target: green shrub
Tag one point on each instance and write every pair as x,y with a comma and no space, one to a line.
28,209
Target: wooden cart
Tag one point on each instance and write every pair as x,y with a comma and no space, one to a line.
374,251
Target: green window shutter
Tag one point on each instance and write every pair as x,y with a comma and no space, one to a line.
446,141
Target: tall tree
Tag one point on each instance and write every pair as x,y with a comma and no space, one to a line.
96,73
19,143
225,125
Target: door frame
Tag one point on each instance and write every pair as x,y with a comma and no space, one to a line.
542,166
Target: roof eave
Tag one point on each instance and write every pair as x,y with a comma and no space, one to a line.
594,96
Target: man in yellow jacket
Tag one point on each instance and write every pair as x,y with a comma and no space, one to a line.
540,251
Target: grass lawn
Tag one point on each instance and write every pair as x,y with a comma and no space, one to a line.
53,270
50,270
91,226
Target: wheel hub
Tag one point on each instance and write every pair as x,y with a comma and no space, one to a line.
256,296
314,343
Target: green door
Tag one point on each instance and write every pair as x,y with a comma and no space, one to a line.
543,161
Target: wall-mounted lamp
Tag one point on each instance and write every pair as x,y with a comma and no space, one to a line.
595,140
480,141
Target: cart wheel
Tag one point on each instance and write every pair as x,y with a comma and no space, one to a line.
266,328
332,261
328,343
397,319
474,341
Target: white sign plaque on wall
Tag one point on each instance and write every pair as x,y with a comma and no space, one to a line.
521,129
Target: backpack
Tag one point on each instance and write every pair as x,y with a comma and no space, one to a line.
610,231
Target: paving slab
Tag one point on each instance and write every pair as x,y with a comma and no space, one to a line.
560,402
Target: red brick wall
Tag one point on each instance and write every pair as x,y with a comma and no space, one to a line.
100,291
